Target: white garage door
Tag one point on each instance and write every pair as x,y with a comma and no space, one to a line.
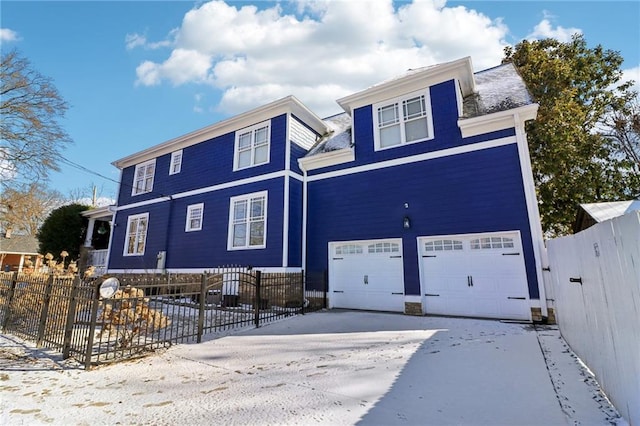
366,275
475,275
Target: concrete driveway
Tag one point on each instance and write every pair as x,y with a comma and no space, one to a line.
336,367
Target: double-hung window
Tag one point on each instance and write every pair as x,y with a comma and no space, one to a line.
252,146
137,226
194,217
143,177
176,162
248,221
402,121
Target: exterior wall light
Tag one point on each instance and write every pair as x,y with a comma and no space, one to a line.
406,222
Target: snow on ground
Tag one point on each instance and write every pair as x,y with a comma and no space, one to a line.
336,367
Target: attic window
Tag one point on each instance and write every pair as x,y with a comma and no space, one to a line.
252,146
403,121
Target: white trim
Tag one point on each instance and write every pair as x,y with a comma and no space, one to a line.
144,190
535,227
416,158
174,154
304,221
281,106
496,121
287,141
130,218
327,159
248,198
213,188
285,224
251,130
461,70
187,224
399,103
412,298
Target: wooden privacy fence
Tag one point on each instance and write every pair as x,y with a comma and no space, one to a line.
146,312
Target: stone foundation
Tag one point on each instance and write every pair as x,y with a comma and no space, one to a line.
413,308
536,315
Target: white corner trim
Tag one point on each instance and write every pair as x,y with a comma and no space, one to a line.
496,121
285,224
326,159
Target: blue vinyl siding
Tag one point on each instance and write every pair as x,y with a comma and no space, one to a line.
446,132
295,223
205,164
205,248
297,152
475,192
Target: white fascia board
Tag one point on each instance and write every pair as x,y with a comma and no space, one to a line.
289,104
496,121
326,159
460,70
97,213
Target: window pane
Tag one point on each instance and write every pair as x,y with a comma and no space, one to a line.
414,108
239,235
256,237
244,159
261,154
244,141
416,129
257,208
240,210
390,136
261,136
388,115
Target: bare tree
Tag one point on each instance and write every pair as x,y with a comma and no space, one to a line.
25,211
31,137
623,128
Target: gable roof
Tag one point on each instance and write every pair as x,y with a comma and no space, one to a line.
289,104
591,213
19,244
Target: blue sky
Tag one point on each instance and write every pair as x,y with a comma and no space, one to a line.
137,74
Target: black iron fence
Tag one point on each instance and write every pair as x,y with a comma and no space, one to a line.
135,314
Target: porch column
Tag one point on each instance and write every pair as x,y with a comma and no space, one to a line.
87,240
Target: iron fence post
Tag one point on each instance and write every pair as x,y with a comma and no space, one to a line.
44,313
256,305
203,296
7,308
92,325
71,317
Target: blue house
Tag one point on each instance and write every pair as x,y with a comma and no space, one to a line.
419,198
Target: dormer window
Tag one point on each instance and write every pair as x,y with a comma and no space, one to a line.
143,177
402,121
252,146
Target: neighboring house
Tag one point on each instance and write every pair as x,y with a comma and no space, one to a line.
592,213
16,251
419,198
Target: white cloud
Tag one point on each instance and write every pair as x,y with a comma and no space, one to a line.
632,74
8,35
544,29
326,50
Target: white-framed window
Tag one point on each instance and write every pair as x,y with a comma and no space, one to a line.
443,245
136,241
194,217
384,248
248,221
349,249
488,243
176,162
402,121
252,146
143,177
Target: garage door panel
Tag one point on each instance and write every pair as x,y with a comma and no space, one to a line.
475,275
367,275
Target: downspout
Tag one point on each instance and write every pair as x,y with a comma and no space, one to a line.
539,250
166,237
304,217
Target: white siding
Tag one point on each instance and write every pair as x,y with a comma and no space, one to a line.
301,135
